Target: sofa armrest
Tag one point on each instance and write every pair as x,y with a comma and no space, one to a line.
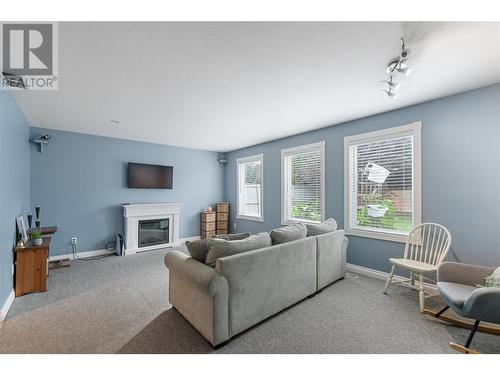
461,273
331,257
345,244
203,277
200,294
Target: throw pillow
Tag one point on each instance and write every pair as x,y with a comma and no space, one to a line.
219,248
289,233
493,281
326,226
197,249
233,236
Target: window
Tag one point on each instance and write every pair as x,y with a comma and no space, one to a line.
303,184
382,182
250,183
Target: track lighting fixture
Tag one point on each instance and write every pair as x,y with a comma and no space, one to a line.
397,65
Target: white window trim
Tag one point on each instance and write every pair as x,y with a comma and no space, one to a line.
413,129
248,159
298,150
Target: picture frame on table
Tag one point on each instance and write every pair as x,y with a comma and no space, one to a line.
21,228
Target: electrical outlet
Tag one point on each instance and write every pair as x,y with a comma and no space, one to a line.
74,240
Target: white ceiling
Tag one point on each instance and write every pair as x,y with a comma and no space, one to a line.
222,86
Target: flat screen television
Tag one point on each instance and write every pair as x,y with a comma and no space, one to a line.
148,176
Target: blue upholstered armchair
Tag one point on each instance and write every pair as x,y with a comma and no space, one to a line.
458,286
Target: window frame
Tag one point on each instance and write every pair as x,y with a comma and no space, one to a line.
317,146
414,130
244,160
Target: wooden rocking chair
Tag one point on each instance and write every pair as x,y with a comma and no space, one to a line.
426,247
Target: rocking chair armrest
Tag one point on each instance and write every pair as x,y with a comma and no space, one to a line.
461,273
483,304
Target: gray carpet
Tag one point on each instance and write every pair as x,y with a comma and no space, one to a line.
120,305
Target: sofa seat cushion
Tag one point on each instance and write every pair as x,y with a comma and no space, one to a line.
455,294
219,248
326,226
289,233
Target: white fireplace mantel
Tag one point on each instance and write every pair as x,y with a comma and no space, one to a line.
132,213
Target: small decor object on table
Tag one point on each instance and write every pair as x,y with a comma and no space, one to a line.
21,228
36,238
37,216
209,209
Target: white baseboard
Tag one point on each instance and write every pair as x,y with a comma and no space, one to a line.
93,253
83,254
380,275
6,306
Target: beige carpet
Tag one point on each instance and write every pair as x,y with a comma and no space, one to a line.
120,305
90,307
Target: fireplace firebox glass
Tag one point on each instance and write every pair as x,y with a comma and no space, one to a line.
153,232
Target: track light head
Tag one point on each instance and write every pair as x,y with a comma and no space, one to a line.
397,64
392,85
403,69
392,66
390,93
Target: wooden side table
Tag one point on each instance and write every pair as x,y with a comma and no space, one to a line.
32,267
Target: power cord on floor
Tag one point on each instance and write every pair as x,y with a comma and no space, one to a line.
97,257
110,246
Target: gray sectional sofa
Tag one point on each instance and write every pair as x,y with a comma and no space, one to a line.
246,288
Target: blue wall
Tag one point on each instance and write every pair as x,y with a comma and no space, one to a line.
460,175
14,183
79,181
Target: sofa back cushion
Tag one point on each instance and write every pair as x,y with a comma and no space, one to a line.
289,233
326,226
198,249
219,248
